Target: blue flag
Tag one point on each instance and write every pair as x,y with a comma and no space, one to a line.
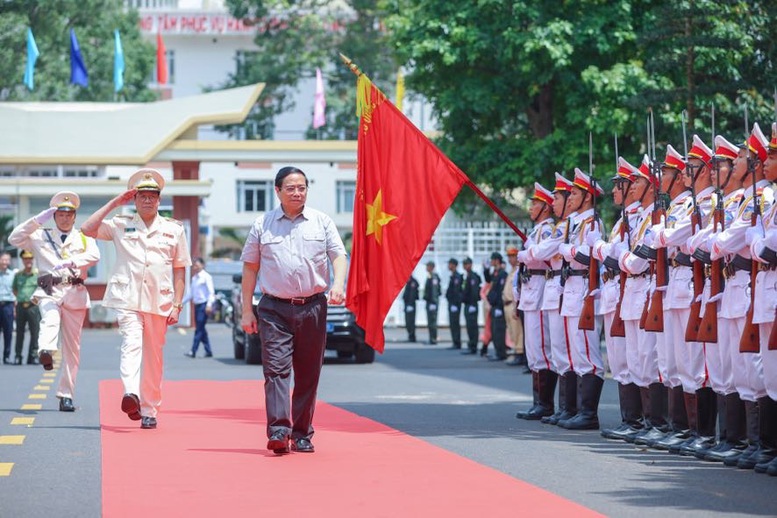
118,63
78,74
32,57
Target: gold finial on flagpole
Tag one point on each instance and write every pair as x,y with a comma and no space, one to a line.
350,64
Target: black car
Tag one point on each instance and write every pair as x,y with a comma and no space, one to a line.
342,333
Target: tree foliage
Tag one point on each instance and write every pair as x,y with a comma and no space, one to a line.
94,22
296,36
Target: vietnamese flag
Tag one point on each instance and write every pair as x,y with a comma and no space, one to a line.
404,186
161,60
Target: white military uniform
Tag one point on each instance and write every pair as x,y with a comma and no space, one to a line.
691,357
747,368
585,351
141,289
766,301
532,286
63,312
609,297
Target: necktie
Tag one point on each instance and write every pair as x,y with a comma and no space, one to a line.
63,237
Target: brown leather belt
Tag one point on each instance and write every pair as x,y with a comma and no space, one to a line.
763,267
295,301
549,274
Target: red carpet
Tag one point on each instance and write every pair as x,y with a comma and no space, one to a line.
207,458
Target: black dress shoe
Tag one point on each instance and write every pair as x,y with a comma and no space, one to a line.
148,423
190,354
497,358
302,445
46,360
32,360
6,361
208,355
279,442
452,347
469,351
66,405
17,361
130,405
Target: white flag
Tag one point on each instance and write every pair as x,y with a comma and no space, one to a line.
319,104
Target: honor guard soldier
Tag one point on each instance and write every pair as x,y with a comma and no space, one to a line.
497,279
641,354
25,282
432,299
454,297
609,303
409,297
146,287
529,288
763,246
470,298
547,250
586,354
63,256
731,244
700,400
677,298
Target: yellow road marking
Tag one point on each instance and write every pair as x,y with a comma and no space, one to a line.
46,380
23,420
49,374
5,468
32,406
41,387
36,396
12,439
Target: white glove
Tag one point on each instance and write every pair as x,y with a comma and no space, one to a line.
432,307
454,309
45,215
65,263
409,309
751,234
592,237
715,298
661,288
618,248
523,256
699,298
594,293
498,313
472,309
565,249
649,239
771,240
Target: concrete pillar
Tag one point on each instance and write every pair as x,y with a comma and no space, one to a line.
188,207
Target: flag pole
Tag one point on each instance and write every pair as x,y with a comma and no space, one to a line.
355,69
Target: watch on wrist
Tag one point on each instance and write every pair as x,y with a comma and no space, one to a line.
178,306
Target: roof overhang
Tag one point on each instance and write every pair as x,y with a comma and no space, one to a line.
113,133
95,187
260,151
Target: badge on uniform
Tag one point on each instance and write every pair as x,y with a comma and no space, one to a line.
168,235
129,229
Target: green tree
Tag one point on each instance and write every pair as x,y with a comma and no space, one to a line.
94,22
296,36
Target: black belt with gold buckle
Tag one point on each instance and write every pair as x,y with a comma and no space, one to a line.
295,301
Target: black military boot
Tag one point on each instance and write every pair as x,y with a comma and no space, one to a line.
535,388
767,409
631,414
678,417
588,417
691,410
644,396
749,457
731,446
546,386
707,415
659,415
571,393
562,403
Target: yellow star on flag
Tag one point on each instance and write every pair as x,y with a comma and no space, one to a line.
376,218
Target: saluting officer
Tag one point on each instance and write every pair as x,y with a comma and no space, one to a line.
64,256
409,297
469,298
432,298
531,285
146,287
628,392
454,297
586,354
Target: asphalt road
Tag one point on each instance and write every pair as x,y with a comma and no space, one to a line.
464,404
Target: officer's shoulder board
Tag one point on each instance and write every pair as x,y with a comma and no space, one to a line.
173,220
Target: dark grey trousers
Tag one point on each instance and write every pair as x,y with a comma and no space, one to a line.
293,340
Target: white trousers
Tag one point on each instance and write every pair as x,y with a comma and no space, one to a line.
143,340
746,368
537,340
690,357
641,354
584,347
769,360
559,345
719,359
667,362
62,322
616,352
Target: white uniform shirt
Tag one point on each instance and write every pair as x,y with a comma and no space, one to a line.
142,278
201,289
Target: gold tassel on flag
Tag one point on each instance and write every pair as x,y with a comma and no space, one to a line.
400,89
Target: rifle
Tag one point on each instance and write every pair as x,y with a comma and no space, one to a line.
694,321
643,250
751,336
618,327
587,320
564,267
654,321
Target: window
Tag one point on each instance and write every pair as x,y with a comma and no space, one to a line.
42,172
79,173
346,193
255,196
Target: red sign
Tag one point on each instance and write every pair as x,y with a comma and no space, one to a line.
193,23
